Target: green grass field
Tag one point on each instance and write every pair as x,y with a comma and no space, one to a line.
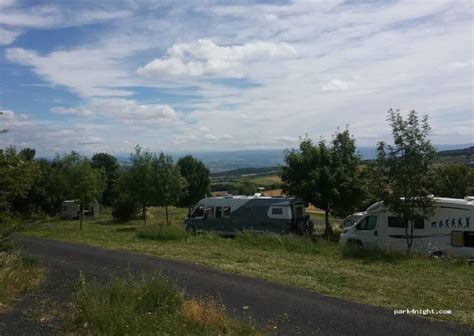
394,281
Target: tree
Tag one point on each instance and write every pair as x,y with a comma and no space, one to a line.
246,188
453,180
402,170
140,179
85,183
327,176
197,178
108,163
16,176
168,183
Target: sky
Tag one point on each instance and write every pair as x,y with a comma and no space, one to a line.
206,75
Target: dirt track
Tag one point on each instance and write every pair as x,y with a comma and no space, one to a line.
296,311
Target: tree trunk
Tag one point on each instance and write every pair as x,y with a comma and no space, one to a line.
328,230
81,212
166,210
409,238
144,214
189,212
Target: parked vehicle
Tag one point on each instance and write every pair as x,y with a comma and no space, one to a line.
450,230
70,209
351,219
230,214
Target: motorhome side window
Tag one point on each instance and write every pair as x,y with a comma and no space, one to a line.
219,212
397,222
199,212
209,212
368,223
277,211
226,212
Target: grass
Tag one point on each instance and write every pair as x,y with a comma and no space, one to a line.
162,232
149,305
390,280
18,274
264,180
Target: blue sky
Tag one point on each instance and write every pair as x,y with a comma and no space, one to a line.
216,75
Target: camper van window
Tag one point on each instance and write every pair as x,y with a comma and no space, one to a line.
277,211
226,212
368,223
469,238
209,212
219,212
419,223
199,212
396,222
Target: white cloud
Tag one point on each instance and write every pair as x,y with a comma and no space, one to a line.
336,85
7,36
204,57
61,110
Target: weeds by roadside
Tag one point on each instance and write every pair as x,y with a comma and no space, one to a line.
162,232
148,305
18,273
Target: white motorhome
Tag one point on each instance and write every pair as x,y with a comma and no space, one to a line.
450,230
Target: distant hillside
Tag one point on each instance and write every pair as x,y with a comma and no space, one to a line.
247,171
457,152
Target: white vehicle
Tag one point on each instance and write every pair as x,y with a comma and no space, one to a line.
450,230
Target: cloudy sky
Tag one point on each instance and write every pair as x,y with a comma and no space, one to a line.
215,75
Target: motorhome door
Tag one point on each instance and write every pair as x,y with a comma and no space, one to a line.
368,231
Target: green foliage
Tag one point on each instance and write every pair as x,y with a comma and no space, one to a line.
140,178
402,170
150,305
197,179
108,163
453,180
247,187
124,208
163,232
17,174
168,184
327,176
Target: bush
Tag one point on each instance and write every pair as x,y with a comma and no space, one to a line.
150,305
163,232
124,210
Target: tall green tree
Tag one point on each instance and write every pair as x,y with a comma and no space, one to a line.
453,180
169,185
108,163
85,183
402,170
140,179
17,174
197,178
327,176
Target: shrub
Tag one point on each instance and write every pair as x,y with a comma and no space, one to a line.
124,209
163,232
150,305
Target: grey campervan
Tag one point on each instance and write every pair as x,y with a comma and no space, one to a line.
231,214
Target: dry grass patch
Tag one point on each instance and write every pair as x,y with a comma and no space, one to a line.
18,274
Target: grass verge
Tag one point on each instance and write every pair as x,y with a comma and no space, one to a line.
390,280
149,305
18,274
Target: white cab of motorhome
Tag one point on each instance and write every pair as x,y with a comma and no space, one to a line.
450,230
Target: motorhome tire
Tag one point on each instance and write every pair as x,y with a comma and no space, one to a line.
355,243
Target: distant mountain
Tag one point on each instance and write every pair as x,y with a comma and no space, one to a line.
264,158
